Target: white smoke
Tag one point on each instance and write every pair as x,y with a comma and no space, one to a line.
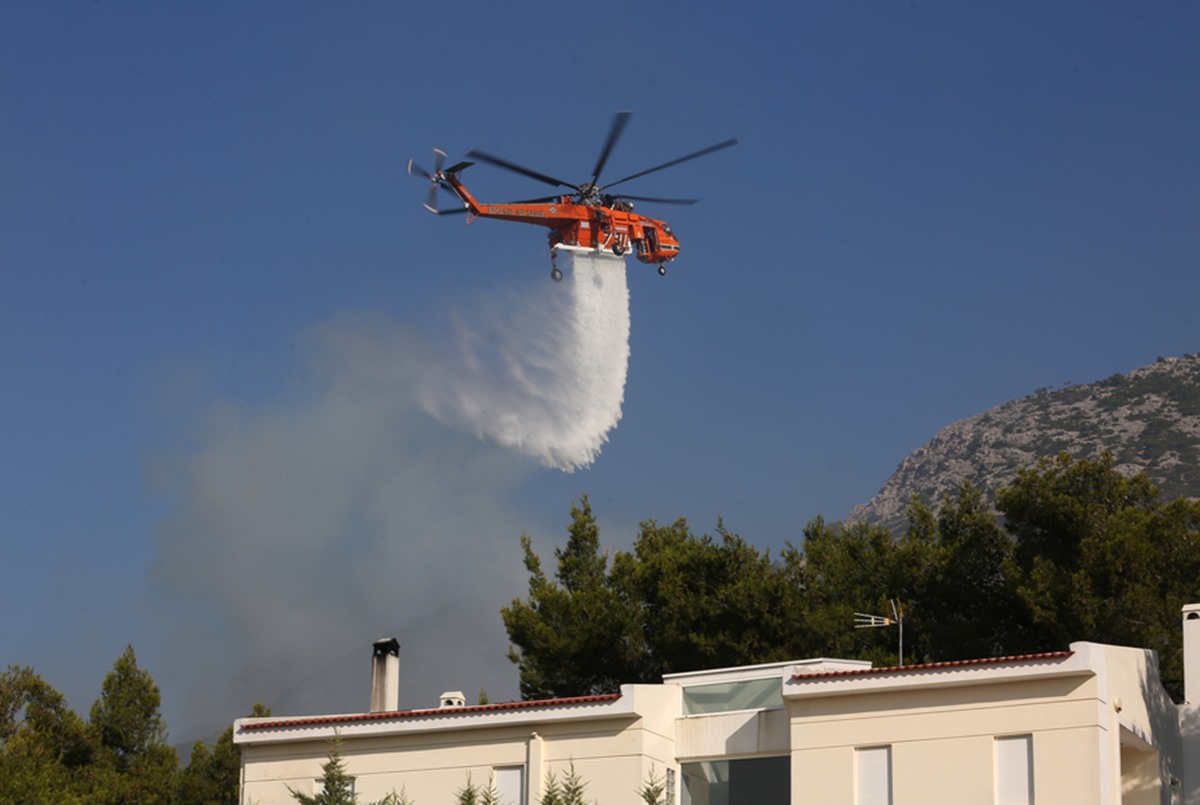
549,382
377,498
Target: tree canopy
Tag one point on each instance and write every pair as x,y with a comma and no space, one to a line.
337,787
119,755
675,602
133,759
1071,550
43,744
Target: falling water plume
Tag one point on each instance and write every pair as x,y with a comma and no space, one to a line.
548,381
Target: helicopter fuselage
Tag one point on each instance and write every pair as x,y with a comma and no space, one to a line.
615,229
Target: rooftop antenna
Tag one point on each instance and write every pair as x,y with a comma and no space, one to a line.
863,620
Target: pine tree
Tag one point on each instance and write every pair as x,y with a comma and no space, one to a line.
551,791
134,762
676,602
126,716
470,794
573,788
214,776
489,795
338,787
196,780
654,790
569,792
577,635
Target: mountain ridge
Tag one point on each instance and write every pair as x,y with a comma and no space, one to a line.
1148,419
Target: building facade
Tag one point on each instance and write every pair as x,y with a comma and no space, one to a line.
1091,724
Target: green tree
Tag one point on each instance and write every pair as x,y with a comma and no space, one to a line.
968,606
214,776
133,761
675,602
576,635
551,791
1099,557
471,794
1082,552
1070,518
706,602
570,791
653,790
44,746
1156,598
394,798
1054,507
126,716
197,782
860,569
337,785
468,794
573,788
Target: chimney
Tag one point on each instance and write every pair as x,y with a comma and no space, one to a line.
1191,653
385,676
452,698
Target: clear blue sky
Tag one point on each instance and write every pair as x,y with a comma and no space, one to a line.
935,207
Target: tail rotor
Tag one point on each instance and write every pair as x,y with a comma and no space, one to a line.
439,157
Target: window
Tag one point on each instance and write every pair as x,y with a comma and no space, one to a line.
873,775
509,782
754,694
1014,770
670,786
744,781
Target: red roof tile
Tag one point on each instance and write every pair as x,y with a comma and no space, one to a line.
928,666
306,721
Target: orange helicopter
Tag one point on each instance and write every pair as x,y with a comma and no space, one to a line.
587,220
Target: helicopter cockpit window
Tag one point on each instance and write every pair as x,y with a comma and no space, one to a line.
667,230
652,238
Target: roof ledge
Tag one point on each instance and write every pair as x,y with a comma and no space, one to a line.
942,674
301,728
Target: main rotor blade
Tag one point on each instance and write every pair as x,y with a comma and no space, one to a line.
515,168
685,201
614,133
699,153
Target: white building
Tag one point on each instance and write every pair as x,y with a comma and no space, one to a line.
1091,724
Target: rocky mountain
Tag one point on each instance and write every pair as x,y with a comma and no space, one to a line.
1148,419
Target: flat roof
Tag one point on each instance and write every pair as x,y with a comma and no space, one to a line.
932,666
740,673
430,712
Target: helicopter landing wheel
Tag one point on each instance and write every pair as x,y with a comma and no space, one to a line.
618,249
662,271
556,275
